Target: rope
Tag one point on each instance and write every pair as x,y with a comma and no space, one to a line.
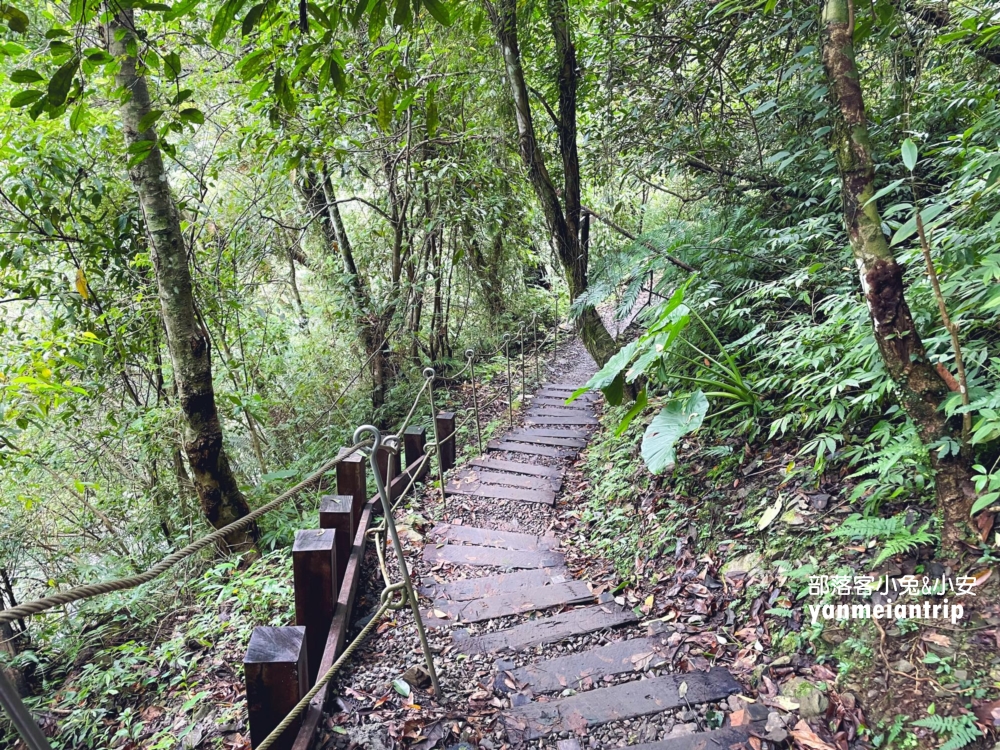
323,681
121,584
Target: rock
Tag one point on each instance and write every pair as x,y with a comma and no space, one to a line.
812,702
685,716
782,661
903,666
417,677
748,563
774,728
961,675
683,729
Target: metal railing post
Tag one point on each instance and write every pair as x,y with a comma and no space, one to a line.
429,374
521,349
510,390
470,355
534,330
400,557
20,716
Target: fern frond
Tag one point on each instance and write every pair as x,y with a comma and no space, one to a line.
961,730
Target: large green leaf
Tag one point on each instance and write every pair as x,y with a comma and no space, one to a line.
607,374
223,20
675,420
61,82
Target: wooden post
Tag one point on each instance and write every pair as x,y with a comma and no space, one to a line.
314,567
414,440
382,459
351,480
276,673
446,433
337,512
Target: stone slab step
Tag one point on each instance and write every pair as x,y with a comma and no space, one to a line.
567,389
511,480
629,700
447,532
465,589
560,432
501,558
560,411
499,491
504,605
525,436
533,450
541,419
726,738
555,675
516,467
559,401
546,629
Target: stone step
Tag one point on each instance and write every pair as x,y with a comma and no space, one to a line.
516,467
479,489
511,480
555,675
525,436
629,700
533,450
465,589
560,411
457,554
726,738
546,629
541,419
447,532
504,605
560,402
561,432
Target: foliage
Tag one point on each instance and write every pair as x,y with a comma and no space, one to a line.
960,730
895,534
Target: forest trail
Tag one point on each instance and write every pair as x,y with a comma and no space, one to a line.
528,654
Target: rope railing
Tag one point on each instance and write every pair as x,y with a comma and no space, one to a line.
121,584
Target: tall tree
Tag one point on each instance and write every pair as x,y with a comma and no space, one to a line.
187,339
561,216
921,388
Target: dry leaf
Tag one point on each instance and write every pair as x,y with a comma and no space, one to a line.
81,284
804,735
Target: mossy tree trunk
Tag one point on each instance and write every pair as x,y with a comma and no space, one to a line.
920,386
187,339
561,216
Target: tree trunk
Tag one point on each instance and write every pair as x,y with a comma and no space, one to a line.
187,340
921,388
564,228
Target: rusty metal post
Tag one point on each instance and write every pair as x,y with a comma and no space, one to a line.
337,512
510,389
277,673
314,569
351,480
470,355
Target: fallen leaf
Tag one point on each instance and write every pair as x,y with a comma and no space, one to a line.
769,515
804,735
682,690
937,638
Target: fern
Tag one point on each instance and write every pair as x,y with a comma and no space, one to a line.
961,730
896,534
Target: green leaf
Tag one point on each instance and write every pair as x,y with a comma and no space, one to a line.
192,115
25,75
139,151
385,109
884,191
337,74
24,98
640,403
402,687
439,11
76,10
17,21
61,82
984,502
432,113
172,65
149,119
252,18
618,362
910,227
615,391
180,9
676,419
909,152
78,117
223,20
